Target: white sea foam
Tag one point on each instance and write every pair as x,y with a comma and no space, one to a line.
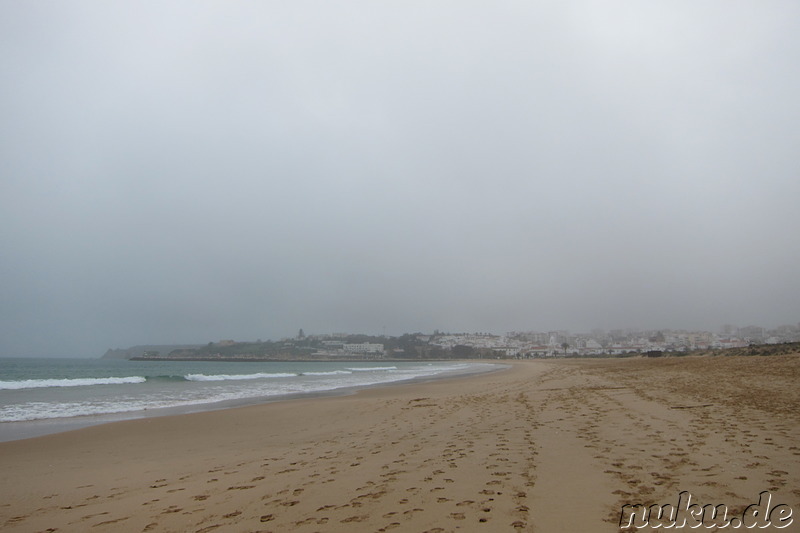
169,387
331,373
236,377
46,410
78,382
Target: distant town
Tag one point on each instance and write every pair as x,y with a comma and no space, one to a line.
444,345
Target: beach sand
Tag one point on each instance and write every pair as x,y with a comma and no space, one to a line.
545,446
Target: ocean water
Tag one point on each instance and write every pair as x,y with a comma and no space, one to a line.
46,395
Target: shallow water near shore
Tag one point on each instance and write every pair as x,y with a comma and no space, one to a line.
41,396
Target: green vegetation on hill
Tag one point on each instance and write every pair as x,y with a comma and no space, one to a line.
408,346
755,349
144,350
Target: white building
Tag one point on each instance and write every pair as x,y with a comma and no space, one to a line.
363,348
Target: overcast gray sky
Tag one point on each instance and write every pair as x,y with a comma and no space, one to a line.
191,171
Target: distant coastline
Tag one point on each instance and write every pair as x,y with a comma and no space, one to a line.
449,347
331,359
140,350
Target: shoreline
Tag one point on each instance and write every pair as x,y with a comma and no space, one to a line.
328,359
541,446
20,430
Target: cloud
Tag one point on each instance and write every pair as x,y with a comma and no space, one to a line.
202,171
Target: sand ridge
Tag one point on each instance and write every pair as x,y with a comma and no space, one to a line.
545,446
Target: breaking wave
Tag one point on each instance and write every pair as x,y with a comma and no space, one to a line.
77,382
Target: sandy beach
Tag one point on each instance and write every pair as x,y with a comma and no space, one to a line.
545,446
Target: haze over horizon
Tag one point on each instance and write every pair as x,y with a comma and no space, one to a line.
191,172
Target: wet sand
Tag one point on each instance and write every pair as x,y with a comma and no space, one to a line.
546,446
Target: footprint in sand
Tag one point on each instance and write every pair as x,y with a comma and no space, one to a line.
291,503
204,530
357,518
